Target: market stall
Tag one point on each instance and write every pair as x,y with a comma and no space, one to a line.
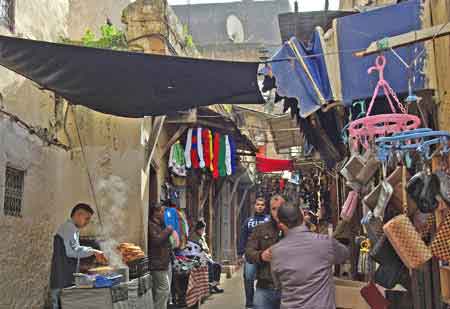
119,287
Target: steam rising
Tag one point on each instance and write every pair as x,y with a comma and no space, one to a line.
112,193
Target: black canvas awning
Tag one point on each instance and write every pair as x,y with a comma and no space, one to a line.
130,84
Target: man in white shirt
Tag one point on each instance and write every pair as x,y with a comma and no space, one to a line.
67,251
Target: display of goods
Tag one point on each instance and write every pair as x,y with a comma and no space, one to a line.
130,252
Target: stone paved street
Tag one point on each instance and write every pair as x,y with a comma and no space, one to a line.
232,298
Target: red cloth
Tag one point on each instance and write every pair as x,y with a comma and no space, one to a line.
194,151
216,155
206,152
198,285
267,165
282,184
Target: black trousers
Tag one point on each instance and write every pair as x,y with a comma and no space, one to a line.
214,271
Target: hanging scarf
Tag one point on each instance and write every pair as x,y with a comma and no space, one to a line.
233,155
200,147
222,154
194,150
206,148
211,150
228,155
216,155
187,150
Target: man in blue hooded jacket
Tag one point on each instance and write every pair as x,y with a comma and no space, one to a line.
246,230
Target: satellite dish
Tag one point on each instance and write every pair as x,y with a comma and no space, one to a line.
235,29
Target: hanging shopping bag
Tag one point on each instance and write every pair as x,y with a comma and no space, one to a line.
405,239
349,208
373,297
369,169
440,247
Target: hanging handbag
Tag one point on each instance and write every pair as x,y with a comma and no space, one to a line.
373,297
371,199
383,253
374,228
349,208
440,246
369,169
423,188
383,199
389,275
405,239
352,167
444,180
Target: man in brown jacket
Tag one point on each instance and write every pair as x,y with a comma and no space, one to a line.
159,254
302,261
259,252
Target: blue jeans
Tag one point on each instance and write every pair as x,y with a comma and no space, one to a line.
249,283
55,294
267,299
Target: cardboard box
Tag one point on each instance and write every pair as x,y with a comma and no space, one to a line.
348,294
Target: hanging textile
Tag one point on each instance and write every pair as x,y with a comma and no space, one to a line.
228,155
216,173
266,165
233,155
222,154
206,148
177,161
171,218
198,285
194,150
187,149
130,84
200,147
304,79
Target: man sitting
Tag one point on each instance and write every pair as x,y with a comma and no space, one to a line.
214,269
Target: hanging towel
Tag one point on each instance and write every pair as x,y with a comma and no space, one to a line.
194,151
200,148
228,155
216,155
222,150
233,155
206,148
211,150
177,160
187,150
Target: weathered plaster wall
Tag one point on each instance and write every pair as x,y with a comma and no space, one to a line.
57,179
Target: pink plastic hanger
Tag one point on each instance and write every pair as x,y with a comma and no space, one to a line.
364,130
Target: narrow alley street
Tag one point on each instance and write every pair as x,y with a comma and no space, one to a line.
232,298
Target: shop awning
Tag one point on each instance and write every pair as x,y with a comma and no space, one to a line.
130,84
285,132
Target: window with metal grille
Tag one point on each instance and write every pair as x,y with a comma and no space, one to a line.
14,181
7,8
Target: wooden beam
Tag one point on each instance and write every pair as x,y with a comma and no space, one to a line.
405,39
174,139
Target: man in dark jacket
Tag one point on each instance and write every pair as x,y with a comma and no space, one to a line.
259,252
308,284
159,254
246,230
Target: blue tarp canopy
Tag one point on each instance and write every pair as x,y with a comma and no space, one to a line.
356,32
303,77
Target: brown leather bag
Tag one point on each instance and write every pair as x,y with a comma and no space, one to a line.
404,237
440,247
